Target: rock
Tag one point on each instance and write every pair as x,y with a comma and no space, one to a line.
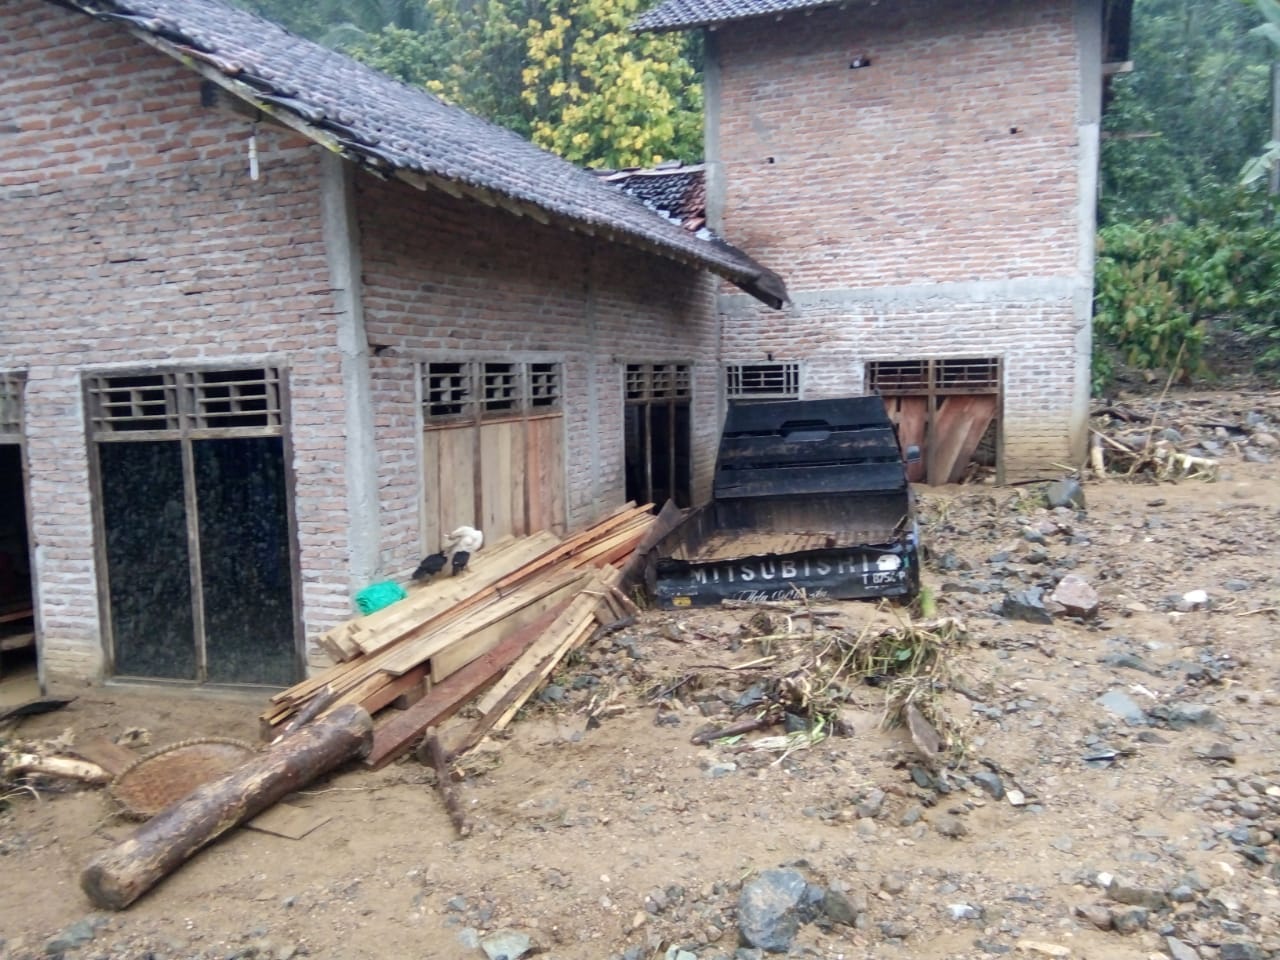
1027,605
1240,951
1096,914
1264,439
871,804
1181,950
839,908
552,693
1129,661
1179,715
1129,921
896,929
964,911
1122,705
675,953
73,937
1075,594
506,945
1016,798
1044,949
1148,897
1254,455
768,914
950,826
1193,600
1218,751
1065,493
991,783
893,883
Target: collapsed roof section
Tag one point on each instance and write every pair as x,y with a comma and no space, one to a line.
677,191
395,130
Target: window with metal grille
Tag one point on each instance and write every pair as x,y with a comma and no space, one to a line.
146,401
10,404
544,386
236,398
954,375
180,400
889,377
968,374
763,381
462,390
658,381
500,383
446,390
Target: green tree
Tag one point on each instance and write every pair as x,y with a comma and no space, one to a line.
602,95
1259,166
1192,112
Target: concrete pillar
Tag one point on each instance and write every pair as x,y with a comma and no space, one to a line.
342,252
1089,26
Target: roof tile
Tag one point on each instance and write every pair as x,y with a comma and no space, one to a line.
684,14
391,127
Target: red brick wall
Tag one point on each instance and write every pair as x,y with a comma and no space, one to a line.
131,236
895,198
447,279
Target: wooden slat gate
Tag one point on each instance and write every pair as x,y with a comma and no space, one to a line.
946,407
493,448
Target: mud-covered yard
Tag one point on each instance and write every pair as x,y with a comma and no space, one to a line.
1111,790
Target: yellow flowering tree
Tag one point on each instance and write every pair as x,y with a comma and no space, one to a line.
602,95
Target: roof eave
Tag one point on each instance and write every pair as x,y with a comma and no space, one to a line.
762,284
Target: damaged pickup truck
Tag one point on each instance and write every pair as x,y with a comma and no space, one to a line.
808,495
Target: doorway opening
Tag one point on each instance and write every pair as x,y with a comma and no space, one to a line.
658,433
19,656
193,505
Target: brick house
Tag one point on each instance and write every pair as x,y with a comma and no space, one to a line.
274,322
924,173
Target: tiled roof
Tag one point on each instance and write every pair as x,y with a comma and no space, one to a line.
683,14
677,191
404,131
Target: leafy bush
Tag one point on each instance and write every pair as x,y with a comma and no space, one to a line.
1156,282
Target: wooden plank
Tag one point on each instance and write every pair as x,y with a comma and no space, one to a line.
461,652
575,624
573,615
396,736
432,463
496,477
455,480
485,571
430,642
911,415
576,636
546,466
957,431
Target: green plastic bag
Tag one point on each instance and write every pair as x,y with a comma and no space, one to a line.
378,595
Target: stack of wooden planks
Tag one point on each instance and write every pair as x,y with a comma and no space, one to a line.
503,624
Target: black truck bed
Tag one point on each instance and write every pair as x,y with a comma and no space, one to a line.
808,495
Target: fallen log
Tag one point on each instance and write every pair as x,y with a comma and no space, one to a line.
118,876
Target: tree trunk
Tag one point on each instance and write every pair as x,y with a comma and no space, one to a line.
118,876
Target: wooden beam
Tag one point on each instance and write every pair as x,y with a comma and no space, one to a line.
396,736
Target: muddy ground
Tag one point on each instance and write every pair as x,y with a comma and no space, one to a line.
1116,792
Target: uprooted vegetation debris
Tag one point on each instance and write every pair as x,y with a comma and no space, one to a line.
802,679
